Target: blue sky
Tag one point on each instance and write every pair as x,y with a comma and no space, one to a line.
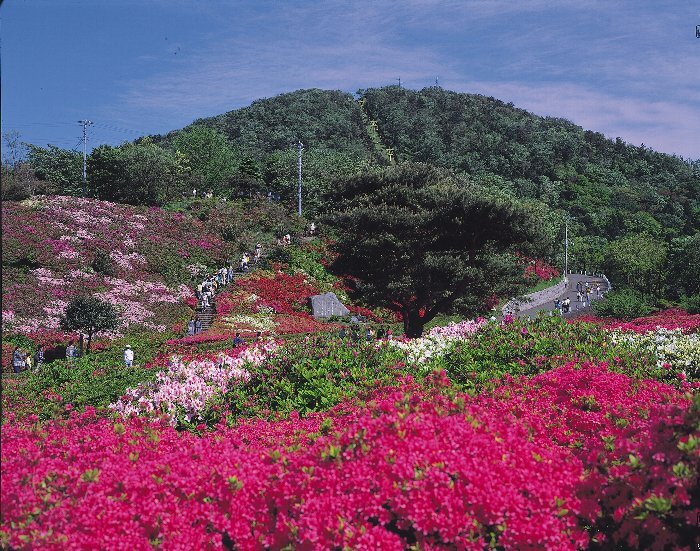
134,67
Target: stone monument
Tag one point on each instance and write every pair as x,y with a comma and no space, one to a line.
327,305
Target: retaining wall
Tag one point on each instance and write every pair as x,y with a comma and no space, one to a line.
537,298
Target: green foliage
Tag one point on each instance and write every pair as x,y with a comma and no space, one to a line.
89,315
691,304
323,119
422,241
321,169
102,263
523,348
636,261
683,277
136,173
61,167
624,304
83,383
210,158
307,260
314,376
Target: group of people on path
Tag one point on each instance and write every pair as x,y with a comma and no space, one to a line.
211,284
22,359
584,295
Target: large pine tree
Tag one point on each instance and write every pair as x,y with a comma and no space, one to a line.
422,241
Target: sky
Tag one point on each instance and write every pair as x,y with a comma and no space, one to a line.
135,67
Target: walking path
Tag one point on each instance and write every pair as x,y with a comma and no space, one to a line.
577,308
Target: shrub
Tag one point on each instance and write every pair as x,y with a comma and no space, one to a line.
625,304
102,263
314,375
691,304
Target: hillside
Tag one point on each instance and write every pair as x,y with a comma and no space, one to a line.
144,261
603,184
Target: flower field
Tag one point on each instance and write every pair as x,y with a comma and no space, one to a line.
517,435
57,248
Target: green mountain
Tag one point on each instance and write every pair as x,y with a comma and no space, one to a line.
631,211
607,186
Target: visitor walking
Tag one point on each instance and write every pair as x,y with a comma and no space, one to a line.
258,252
197,326
17,360
71,352
128,356
190,327
39,358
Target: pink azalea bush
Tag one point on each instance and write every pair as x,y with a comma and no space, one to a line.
672,318
185,389
50,246
568,459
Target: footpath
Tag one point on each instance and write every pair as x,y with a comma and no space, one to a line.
543,301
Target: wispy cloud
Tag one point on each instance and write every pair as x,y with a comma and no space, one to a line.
592,62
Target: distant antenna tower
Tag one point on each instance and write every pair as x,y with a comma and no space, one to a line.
399,79
85,124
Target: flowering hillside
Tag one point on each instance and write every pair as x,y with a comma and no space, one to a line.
136,258
517,435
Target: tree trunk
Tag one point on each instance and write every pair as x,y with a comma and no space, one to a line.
413,324
87,350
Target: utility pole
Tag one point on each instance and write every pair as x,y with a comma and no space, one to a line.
300,148
85,124
566,250
399,79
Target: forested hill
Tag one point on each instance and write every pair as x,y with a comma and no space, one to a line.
593,178
632,211
607,186
321,119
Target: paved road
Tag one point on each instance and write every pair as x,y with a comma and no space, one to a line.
577,308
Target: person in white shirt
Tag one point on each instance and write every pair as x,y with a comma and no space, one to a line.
128,356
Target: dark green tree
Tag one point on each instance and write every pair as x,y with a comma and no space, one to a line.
422,241
89,315
61,167
136,173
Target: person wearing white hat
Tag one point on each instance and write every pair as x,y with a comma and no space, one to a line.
128,356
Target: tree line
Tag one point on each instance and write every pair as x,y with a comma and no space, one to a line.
631,212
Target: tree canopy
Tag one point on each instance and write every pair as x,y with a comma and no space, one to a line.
89,315
421,241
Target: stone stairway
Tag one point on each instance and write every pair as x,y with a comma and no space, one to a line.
208,315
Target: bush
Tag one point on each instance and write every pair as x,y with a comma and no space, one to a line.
625,304
691,304
523,348
314,376
102,263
